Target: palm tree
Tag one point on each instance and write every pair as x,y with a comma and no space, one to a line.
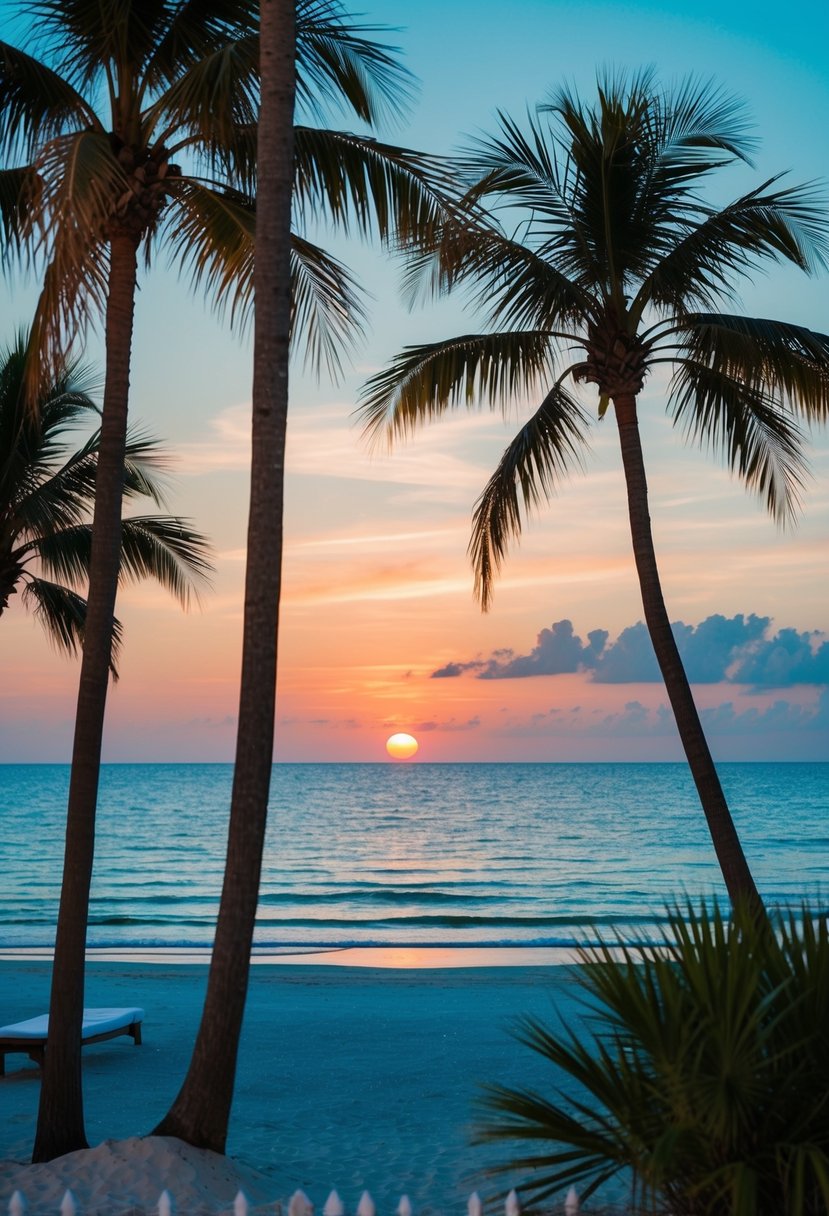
616,266
139,124
46,500
200,1113
404,199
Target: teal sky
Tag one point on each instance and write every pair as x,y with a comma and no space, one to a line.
378,591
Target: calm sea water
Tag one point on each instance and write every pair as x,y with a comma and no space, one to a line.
465,854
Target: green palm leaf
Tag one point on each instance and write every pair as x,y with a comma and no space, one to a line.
340,64
529,471
424,381
47,497
80,183
213,232
62,613
19,190
705,255
192,30
168,550
327,309
760,442
160,547
703,1073
212,97
789,361
511,283
36,103
356,181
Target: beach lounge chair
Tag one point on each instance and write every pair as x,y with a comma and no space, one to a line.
98,1024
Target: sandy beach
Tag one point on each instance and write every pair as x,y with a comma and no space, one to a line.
350,1077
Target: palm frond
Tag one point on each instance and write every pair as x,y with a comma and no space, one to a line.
423,382
36,103
213,232
359,182
166,549
514,285
701,1070
543,452
19,194
89,38
82,183
698,127
74,480
340,65
161,547
62,613
760,442
706,254
608,154
193,30
145,464
327,311
788,361
518,166
31,441
535,174
213,96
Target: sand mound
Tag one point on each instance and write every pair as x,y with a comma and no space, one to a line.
128,1176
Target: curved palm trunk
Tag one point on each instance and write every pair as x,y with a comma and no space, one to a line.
60,1123
201,1112
738,880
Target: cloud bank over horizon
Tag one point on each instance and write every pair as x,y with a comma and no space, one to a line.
742,650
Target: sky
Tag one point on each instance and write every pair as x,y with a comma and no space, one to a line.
379,628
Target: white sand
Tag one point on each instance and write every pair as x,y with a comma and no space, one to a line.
349,1078
128,1176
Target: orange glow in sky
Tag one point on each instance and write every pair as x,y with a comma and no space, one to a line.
379,631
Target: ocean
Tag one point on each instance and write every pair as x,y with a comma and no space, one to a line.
408,854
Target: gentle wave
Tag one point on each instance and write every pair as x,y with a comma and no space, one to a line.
407,855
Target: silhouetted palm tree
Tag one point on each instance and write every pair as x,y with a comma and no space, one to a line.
351,183
47,493
200,1112
138,125
615,265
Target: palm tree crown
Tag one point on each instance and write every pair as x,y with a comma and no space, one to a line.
46,499
618,265
139,121
621,260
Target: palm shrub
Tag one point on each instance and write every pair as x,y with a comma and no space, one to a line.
705,1076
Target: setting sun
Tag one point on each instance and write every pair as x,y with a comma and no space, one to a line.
401,746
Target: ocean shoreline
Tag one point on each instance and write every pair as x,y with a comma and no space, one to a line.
392,957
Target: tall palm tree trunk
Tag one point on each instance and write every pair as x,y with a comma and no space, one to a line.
200,1113
60,1122
738,880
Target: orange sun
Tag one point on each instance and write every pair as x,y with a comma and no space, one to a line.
401,747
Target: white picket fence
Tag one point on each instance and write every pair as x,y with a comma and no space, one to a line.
301,1205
